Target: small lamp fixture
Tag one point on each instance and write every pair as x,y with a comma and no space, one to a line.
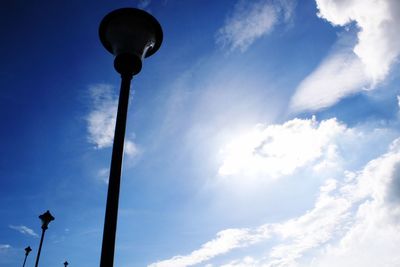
46,218
27,251
66,263
130,34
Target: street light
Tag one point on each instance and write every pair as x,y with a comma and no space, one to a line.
46,218
131,35
65,263
27,251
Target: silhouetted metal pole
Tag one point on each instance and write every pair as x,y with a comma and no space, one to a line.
130,35
40,249
46,219
27,250
110,222
65,263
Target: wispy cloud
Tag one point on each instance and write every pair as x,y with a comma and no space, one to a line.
131,149
225,241
354,222
252,20
143,4
103,174
102,117
398,101
365,65
101,124
24,230
339,75
305,232
4,247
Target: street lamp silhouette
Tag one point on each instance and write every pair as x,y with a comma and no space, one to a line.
65,263
27,251
131,35
46,218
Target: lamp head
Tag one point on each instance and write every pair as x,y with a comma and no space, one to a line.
27,250
131,34
66,263
46,218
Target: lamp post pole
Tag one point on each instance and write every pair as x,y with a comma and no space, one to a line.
27,251
46,218
110,222
65,263
130,34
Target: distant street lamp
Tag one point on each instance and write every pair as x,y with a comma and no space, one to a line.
65,263
131,35
46,218
27,251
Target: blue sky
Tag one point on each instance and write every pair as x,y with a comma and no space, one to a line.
262,133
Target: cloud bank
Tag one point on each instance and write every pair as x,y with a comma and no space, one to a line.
353,222
352,69
378,43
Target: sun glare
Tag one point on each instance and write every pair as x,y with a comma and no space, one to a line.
276,150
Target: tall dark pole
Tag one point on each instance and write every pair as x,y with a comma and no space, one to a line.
46,219
27,251
130,35
110,222
40,248
23,265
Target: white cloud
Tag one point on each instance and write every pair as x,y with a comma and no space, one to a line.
372,241
102,117
252,20
101,120
378,43
354,222
339,75
131,149
398,101
101,123
144,4
4,247
225,241
24,230
374,237
365,65
103,175
275,150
